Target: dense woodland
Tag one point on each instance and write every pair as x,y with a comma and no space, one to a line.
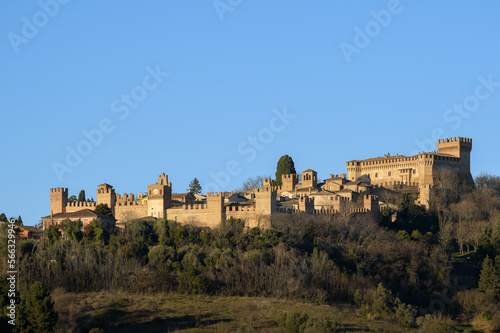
429,270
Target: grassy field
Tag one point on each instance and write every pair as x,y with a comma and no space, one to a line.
125,313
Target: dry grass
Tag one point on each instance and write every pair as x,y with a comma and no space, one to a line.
121,312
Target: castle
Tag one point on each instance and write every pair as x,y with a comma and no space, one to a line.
415,171
351,192
158,204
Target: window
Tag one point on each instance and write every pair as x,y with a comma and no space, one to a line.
389,173
414,171
376,175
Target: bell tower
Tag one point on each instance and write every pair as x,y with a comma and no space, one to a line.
159,197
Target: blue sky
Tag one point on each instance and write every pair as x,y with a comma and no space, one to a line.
219,90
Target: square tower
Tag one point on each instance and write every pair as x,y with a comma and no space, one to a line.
105,194
457,147
309,178
58,200
159,197
265,200
289,181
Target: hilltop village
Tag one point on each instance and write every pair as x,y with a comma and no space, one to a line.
356,192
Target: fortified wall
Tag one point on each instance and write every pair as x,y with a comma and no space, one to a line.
159,205
416,171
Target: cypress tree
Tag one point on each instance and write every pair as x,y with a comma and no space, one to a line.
36,312
285,166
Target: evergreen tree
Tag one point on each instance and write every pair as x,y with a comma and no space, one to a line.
52,234
104,209
36,311
81,196
73,229
95,232
72,198
195,186
3,218
489,278
285,166
19,221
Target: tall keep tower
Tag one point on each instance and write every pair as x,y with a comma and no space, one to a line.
159,197
265,200
58,200
106,195
457,147
215,209
289,181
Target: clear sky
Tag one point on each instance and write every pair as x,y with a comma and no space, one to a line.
121,91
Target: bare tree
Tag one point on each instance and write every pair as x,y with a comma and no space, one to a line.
251,183
488,184
464,212
474,233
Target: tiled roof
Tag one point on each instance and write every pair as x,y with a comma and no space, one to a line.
29,228
84,213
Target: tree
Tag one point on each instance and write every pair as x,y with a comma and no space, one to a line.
251,183
81,196
285,166
36,312
195,186
72,229
94,232
489,278
52,234
3,218
488,184
103,209
19,221
72,198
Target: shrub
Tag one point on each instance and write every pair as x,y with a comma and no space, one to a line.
301,323
382,300
435,324
293,322
97,330
405,313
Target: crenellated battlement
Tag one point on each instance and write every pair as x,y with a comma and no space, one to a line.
194,207
125,197
239,209
266,182
81,204
358,210
132,203
306,200
342,175
455,139
328,211
59,190
215,195
266,190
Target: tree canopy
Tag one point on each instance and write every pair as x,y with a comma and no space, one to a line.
81,196
251,183
195,186
285,166
37,312
103,209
